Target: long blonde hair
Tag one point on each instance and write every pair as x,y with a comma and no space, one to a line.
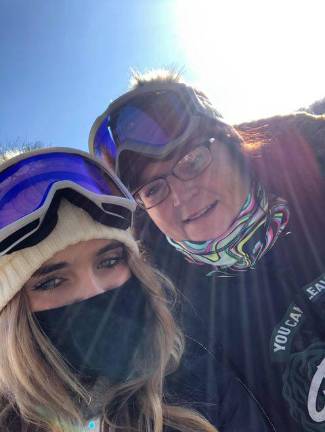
36,386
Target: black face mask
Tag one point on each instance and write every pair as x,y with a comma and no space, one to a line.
98,336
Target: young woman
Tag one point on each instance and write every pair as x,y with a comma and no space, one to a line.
87,337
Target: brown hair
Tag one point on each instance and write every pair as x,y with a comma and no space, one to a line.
172,75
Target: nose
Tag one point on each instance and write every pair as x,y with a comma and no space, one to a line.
90,285
181,191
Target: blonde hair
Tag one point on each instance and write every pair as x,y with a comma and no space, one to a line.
36,386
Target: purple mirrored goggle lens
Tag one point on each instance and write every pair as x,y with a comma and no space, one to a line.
25,185
154,119
103,141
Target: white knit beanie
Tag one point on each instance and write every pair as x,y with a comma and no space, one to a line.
74,225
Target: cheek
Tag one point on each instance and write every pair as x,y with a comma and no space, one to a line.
166,220
45,300
208,181
118,277
226,177
35,303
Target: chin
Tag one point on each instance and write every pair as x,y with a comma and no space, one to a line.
207,230
203,236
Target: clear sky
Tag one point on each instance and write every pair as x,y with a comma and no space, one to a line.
62,61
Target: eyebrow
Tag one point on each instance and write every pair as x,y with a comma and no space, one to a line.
44,270
109,247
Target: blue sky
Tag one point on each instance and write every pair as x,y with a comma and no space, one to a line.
62,61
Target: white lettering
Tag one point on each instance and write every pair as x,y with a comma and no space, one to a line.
317,416
277,347
311,292
281,339
316,289
295,317
291,323
284,331
320,287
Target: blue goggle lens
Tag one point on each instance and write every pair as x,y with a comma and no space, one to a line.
104,141
26,184
153,120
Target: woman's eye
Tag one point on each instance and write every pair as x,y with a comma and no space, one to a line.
110,262
192,162
152,190
195,160
48,284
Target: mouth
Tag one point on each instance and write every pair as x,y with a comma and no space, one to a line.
201,213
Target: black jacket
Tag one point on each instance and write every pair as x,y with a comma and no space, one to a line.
266,325
208,387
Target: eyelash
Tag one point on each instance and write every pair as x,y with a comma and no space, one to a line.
45,285
115,260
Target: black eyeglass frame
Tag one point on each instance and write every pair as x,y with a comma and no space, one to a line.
135,193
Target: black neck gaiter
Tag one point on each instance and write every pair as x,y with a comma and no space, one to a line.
98,336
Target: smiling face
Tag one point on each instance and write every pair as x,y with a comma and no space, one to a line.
204,207
80,271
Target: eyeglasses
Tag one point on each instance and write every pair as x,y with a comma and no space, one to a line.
152,120
187,168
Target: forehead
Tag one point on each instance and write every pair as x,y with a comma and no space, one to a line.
156,168
82,250
152,167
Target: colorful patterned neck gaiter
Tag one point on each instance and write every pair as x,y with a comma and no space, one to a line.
258,225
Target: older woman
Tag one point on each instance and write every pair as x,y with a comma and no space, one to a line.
246,209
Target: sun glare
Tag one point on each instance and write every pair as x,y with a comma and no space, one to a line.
255,58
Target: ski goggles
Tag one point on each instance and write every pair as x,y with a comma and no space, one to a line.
152,120
31,183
